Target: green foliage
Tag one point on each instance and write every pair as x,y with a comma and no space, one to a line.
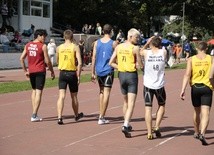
135,13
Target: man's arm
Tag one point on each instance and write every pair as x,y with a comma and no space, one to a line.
186,78
93,76
212,74
136,51
79,61
57,55
112,61
22,61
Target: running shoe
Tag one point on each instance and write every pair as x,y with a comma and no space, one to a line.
129,128
196,135
203,140
157,132
79,116
60,122
150,137
36,119
126,132
102,121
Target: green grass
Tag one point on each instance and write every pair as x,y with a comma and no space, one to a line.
9,87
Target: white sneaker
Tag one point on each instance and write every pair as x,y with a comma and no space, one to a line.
102,121
36,119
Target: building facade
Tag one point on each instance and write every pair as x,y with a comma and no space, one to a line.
27,12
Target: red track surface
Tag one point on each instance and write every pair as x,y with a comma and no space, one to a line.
19,136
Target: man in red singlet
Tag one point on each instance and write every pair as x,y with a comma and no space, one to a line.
37,56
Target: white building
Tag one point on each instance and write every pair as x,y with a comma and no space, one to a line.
27,12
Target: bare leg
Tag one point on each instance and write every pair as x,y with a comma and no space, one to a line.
148,119
101,99
75,103
36,100
130,107
196,119
159,115
60,102
104,100
125,105
205,113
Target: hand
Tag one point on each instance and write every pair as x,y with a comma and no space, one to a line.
52,75
27,74
93,78
212,82
182,96
78,80
149,40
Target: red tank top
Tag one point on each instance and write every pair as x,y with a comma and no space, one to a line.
36,62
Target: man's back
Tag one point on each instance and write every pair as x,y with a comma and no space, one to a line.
104,52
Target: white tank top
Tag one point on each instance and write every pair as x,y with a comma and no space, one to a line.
154,67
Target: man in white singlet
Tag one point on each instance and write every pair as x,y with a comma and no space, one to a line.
153,79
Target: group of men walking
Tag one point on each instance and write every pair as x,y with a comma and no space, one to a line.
127,58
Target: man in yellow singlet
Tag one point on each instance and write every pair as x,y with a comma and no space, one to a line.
67,54
198,73
126,55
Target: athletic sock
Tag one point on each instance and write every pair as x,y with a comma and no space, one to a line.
126,123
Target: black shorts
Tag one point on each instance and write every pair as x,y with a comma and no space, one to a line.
201,95
68,78
37,80
128,82
160,95
106,81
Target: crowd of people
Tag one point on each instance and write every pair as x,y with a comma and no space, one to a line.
127,58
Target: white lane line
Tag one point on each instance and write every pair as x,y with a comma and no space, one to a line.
168,139
163,142
92,136
86,138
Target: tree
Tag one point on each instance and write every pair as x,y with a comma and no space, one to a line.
134,13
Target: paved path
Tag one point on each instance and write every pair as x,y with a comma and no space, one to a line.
21,137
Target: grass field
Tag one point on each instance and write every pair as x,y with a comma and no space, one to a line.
24,85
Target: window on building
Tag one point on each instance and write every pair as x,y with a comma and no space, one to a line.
26,7
36,12
36,4
46,10
39,8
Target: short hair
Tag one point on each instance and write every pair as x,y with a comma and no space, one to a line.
68,35
156,42
107,29
202,46
52,40
40,32
133,32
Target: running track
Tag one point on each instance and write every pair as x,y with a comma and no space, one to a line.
21,137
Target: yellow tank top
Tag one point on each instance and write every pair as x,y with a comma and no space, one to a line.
67,58
201,70
126,59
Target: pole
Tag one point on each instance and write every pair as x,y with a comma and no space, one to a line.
182,36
